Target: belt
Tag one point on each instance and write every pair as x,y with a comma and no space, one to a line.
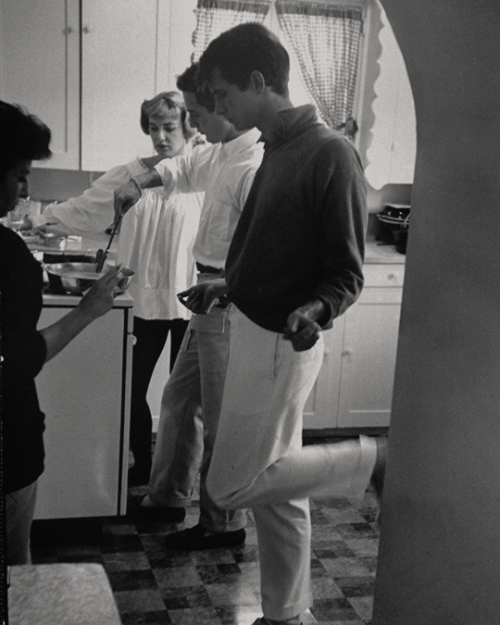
204,269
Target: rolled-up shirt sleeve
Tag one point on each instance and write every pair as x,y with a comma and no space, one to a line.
187,174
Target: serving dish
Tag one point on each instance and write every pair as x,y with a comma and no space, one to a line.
76,278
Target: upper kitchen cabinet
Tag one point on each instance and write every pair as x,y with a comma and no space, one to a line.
84,67
118,73
39,68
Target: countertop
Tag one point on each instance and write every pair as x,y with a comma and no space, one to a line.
77,245
71,301
382,253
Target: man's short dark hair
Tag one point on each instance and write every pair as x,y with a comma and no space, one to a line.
239,51
23,138
187,82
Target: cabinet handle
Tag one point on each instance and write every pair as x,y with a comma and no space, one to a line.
67,31
85,30
391,276
347,352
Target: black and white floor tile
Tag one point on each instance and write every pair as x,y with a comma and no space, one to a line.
153,585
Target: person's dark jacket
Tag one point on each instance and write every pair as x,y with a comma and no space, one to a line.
23,353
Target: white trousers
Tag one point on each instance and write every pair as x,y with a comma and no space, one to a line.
258,460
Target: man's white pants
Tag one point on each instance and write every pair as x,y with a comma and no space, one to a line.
259,462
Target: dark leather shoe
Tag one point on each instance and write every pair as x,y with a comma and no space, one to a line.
156,514
197,538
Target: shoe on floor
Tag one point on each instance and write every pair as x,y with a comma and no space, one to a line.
138,476
156,514
197,538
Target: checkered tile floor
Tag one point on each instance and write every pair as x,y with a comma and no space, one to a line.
221,587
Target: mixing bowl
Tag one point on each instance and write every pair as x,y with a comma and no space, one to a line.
76,278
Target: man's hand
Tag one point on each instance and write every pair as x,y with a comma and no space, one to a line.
302,329
201,297
125,197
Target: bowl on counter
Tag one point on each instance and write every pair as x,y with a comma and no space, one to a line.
76,278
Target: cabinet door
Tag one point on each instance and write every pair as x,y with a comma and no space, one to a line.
39,69
321,408
369,358
118,72
84,393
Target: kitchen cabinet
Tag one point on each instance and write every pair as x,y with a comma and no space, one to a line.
39,60
354,387
85,394
84,67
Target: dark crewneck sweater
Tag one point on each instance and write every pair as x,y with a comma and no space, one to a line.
23,352
301,233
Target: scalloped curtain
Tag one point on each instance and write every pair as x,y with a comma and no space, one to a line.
215,16
326,41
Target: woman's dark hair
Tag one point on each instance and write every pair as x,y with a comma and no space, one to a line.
23,137
241,50
187,82
160,104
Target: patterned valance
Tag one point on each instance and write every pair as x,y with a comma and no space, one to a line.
292,7
215,16
255,6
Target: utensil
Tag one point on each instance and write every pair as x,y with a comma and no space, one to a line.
102,255
76,278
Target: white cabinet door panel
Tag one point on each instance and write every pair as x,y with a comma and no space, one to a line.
368,359
322,405
39,69
83,392
118,73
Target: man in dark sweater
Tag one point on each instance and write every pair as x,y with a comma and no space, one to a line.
294,265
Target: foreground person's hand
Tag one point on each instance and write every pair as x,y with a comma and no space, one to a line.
99,298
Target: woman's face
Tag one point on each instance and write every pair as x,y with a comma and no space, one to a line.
166,133
14,186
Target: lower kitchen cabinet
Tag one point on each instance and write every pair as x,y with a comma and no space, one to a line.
85,394
354,387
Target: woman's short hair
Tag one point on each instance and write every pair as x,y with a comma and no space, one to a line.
160,104
243,49
187,82
23,137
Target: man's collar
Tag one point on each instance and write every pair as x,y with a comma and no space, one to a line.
242,142
291,122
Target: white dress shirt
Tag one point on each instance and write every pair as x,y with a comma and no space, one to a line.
155,238
225,172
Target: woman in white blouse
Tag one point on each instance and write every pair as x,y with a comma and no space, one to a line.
155,241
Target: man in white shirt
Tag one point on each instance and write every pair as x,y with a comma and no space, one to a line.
225,172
